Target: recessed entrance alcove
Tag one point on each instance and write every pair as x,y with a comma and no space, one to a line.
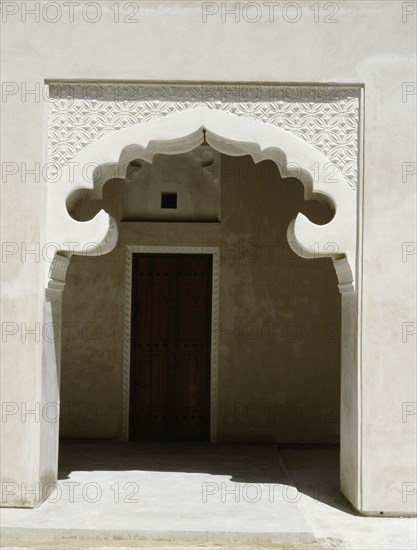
276,339
275,319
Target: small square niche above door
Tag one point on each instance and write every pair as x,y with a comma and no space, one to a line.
183,187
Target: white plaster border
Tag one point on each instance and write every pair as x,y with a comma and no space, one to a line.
214,348
232,131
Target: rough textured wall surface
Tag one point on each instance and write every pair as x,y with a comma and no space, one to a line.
279,323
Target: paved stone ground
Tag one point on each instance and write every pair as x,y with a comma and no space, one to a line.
315,474
188,492
189,496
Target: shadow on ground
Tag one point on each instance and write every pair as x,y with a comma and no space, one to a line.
312,470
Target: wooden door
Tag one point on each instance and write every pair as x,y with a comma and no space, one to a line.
170,346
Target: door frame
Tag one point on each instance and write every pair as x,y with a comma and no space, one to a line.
214,346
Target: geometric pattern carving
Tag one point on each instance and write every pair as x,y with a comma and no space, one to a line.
324,115
214,349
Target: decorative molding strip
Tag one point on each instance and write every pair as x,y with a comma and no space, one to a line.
58,269
57,275
215,251
344,275
324,115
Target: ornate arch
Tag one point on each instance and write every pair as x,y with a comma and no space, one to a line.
230,134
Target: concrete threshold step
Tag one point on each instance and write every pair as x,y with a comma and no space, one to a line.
100,538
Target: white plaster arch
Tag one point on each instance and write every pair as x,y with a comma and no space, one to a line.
228,133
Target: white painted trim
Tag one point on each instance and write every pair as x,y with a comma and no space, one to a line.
214,350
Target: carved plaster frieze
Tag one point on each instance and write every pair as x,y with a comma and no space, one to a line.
324,115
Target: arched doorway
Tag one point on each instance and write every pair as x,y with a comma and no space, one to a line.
233,136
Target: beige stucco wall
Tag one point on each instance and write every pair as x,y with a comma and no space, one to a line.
279,318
